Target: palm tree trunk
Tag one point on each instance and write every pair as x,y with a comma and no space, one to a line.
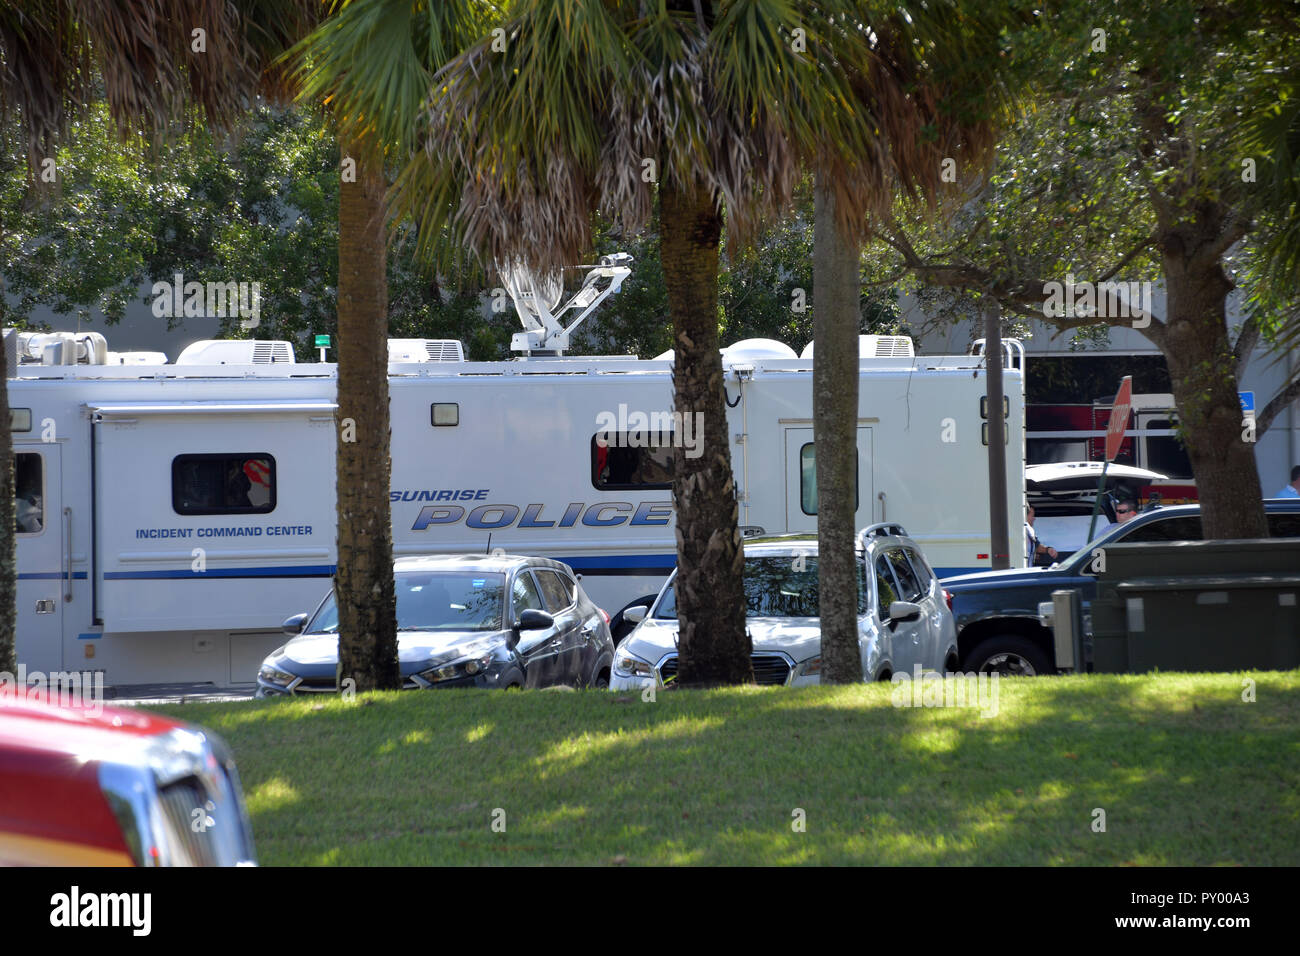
363,584
713,643
836,293
8,556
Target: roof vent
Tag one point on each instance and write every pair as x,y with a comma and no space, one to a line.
136,358
425,350
236,352
876,346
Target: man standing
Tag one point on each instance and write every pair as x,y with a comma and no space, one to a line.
1293,489
1034,549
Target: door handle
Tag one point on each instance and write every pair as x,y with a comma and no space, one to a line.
557,643
67,520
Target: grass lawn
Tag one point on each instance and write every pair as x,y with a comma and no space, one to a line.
1185,770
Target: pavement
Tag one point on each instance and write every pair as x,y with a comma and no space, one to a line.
145,695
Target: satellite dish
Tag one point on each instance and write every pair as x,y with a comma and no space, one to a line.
529,290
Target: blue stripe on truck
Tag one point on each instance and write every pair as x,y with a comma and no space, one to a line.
614,565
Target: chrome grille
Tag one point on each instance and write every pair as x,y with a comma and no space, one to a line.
180,800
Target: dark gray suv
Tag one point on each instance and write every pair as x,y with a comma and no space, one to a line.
464,621
997,611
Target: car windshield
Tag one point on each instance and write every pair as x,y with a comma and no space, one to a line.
435,601
774,587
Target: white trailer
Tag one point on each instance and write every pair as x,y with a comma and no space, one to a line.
172,515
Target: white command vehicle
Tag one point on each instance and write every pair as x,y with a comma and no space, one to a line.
171,516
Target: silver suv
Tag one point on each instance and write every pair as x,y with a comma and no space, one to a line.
904,621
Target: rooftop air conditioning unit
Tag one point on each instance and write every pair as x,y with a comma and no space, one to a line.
877,346
425,350
236,352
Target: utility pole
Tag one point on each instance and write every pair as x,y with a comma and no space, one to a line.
1000,543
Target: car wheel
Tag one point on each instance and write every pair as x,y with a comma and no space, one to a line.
1009,656
602,681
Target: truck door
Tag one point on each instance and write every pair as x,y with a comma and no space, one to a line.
801,480
42,557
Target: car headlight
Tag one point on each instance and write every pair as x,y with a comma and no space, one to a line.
463,668
811,667
629,665
273,675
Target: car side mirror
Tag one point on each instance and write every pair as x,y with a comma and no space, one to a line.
635,615
904,611
293,626
533,620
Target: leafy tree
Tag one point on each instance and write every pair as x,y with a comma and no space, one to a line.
1123,168
708,108
153,57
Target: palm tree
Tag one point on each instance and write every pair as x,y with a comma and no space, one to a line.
154,58
925,77
372,61
578,107
575,107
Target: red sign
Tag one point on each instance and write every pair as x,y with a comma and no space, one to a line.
1119,413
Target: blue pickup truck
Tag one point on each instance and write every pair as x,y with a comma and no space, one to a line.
996,612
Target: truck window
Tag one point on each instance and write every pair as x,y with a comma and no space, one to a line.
223,484
29,493
631,460
1165,453
808,480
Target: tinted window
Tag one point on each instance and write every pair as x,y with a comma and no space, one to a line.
29,493
1165,453
631,460
557,595
1183,528
886,590
525,594
1284,526
903,573
223,484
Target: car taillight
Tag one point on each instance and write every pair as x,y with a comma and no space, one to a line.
603,614
947,596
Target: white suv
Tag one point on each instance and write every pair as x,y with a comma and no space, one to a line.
903,617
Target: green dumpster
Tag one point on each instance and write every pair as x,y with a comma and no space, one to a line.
1197,606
